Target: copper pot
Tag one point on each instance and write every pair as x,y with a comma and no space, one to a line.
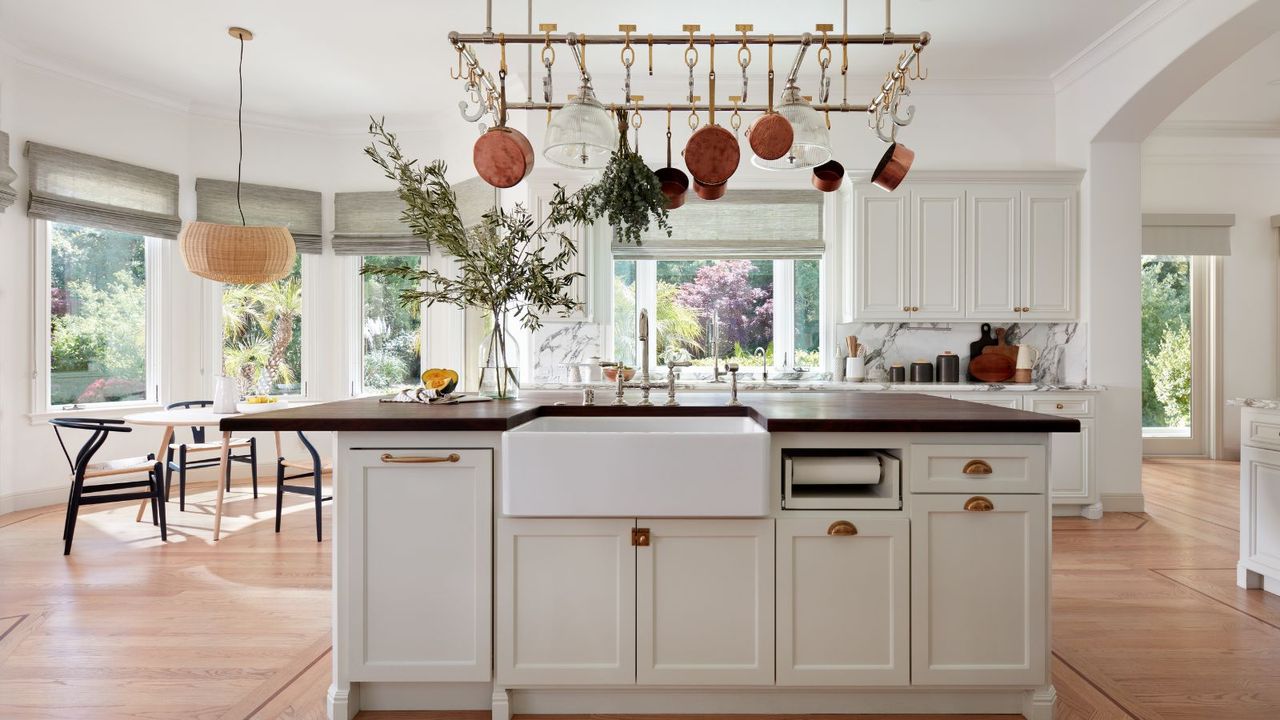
771,134
712,153
674,183
503,156
893,166
709,192
828,176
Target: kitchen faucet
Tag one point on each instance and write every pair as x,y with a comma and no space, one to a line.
642,335
715,347
764,364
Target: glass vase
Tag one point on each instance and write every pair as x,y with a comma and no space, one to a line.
499,364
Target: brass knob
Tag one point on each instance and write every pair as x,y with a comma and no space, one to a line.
915,309
640,537
906,308
1017,309
977,503
842,527
977,467
1026,308
1059,406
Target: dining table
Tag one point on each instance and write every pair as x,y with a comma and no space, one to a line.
191,418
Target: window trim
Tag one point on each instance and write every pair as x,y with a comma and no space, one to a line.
783,302
311,268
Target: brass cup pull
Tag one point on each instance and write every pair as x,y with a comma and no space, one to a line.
977,467
1059,406
977,503
640,537
414,459
842,527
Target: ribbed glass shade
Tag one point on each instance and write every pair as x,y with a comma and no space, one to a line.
236,253
812,144
582,134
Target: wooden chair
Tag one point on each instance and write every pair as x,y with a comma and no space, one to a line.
83,468
314,469
198,445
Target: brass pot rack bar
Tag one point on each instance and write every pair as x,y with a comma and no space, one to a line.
684,106
491,38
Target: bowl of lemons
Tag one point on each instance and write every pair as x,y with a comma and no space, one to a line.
260,403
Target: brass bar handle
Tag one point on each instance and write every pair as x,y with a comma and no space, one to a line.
842,527
417,459
977,467
977,503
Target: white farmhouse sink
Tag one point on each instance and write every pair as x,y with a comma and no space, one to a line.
636,466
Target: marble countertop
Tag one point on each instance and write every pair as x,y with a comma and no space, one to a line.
1262,403
833,386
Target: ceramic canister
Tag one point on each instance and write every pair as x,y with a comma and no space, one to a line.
897,373
921,371
948,367
855,369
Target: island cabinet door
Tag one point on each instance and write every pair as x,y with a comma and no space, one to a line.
978,589
566,602
844,605
704,602
1260,498
420,578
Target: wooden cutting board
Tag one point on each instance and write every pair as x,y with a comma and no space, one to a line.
1001,348
992,367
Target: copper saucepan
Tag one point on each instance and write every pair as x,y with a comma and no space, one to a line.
673,180
712,153
771,134
893,166
503,156
828,176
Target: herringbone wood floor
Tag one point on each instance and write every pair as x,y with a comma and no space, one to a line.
1147,620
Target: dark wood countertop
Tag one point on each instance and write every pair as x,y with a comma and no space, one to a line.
776,412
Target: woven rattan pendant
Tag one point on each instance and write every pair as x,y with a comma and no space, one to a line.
241,254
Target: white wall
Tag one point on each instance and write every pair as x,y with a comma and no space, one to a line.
1240,176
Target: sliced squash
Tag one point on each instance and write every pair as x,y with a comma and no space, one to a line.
442,380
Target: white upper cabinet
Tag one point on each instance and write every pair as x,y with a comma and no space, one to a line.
1049,254
882,251
937,253
994,237
982,252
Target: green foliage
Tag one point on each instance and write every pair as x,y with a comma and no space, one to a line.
677,326
1171,375
1166,306
392,335
624,318
104,330
628,194
261,332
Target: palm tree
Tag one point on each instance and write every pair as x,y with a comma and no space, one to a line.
281,303
678,326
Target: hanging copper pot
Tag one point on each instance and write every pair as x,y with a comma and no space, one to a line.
771,134
712,153
674,183
828,176
503,156
893,166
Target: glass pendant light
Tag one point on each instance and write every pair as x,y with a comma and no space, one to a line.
582,134
812,144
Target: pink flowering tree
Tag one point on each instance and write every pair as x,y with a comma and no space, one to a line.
746,312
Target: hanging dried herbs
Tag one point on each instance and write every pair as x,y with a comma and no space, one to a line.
628,194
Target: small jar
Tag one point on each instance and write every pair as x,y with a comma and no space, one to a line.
921,371
948,367
897,373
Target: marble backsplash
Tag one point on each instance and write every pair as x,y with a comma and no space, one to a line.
1061,351
1061,357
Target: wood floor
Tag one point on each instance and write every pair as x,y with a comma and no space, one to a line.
1147,621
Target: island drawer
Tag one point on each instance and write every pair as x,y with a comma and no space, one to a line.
1071,406
1263,430
977,468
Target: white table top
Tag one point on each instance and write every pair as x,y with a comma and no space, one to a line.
179,417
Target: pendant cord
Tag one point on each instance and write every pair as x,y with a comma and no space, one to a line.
240,131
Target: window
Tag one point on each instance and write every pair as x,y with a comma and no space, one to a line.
99,317
729,308
1174,361
391,334
262,334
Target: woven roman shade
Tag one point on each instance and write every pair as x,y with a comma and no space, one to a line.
1187,233
749,224
7,175
372,223
71,187
264,205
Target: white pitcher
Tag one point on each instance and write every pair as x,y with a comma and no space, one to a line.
225,395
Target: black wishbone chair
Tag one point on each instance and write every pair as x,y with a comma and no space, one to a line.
198,445
315,469
83,468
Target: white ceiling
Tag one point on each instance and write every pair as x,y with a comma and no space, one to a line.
319,60
1243,99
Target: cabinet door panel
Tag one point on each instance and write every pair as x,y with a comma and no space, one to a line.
994,248
1049,254
881,253
937,253
1260,493
566,602
1071,463
704,607
420,579
843,602
979,591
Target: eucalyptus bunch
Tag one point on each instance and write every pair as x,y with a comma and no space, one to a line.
628,194
509,264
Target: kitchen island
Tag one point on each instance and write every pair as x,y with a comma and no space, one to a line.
799,553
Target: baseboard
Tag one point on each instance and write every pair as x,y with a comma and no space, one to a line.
1123,502
57,495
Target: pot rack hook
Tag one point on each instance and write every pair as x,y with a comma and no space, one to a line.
628,57
460,72
650,54
548,59
735,120
918,73
901,120
879,124
744,54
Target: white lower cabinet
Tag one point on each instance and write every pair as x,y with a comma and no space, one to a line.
704,606
978,589
1260,499
844,601
566,602
420,570
1072,465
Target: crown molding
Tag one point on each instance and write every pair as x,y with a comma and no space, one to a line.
1138,22
1217,129
1212,158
